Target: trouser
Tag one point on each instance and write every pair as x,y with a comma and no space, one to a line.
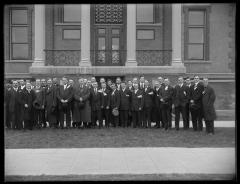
166,115
28,124
158,116
105,115
147,117
187,115
43,111
209,126
51,118
96,115
178,110
137,118
114,120
123,118
197,119
129,118
37,117
65,110
8,117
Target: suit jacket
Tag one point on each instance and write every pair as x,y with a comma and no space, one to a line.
66,94
106,98
208,100
39,98
28,98
167,96
83,92
50,99
137,100
96,100
115,99
157,96
14,97
196,94
181,95
148,97
125,99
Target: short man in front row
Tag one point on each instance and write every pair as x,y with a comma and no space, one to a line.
196,104
114,104
166,95
209,112
125,95
148,104
64,97
137,105
181,96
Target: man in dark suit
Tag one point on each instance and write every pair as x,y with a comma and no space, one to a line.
166,95
196,104
105,104
125,95
96,103
188,84
181,97
28,98
114,104
21,90
43,87
56,88
209,112
131,88
7,96
71,84
64,96
137,105
148,104
109,83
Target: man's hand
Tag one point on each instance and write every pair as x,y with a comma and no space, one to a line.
66,101
102,106
42,106
140,108
80,99
161,100
107,107
26,105
62,100
192,101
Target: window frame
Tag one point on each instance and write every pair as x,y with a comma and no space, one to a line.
145,30
206,9
29,33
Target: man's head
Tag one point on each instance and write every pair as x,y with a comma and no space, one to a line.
55,81
93,79
103,85
130,83
21,82
113,86
49,82
85,81
38,82
146,83
180,80
28,85
166,81
196,79
205,81
64,80
71,82
141,79
109,82
118,80
157,84
80,81
15,83
43,82
160,79
102,80
89,83
135,85
123,84
95,84
187,80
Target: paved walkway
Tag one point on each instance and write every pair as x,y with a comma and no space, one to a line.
119,161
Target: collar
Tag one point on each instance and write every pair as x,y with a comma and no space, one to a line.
22,87
196,84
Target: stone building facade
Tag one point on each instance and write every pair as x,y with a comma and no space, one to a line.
124,40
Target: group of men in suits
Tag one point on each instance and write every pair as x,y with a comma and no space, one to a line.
124,103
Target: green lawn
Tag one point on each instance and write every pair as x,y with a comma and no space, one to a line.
117,137
121,177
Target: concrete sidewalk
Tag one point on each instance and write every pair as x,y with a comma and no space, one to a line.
99,161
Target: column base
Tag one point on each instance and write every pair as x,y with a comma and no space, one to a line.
131,62
85,63
37,63
177,63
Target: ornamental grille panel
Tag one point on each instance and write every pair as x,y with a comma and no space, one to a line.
109,14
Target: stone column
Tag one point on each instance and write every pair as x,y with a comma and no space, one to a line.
85,35
39,35
131,35
176,35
